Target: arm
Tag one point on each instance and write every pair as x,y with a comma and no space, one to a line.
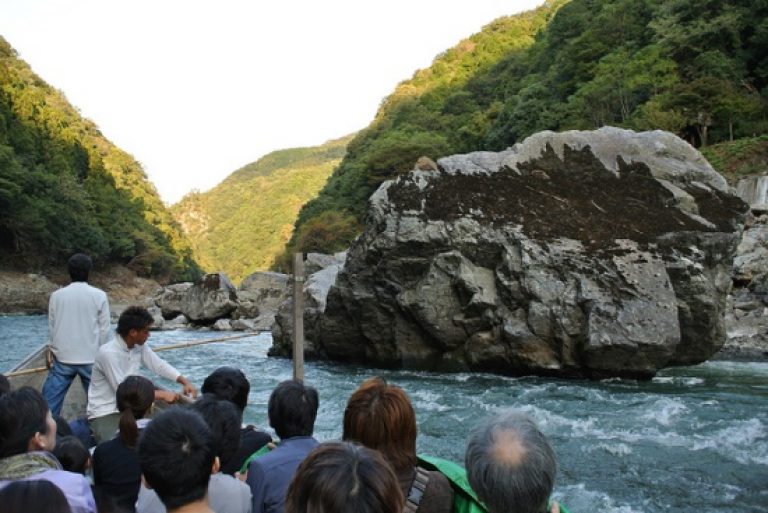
104,321
166,370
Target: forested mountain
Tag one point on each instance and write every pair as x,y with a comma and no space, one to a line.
698,68
242,225
65,188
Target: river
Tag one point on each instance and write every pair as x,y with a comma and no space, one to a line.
692,439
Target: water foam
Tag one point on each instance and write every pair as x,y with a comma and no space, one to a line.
665,411
743,441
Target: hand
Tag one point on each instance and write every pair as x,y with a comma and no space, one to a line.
188,388
555,507
48,358
242,476
167,396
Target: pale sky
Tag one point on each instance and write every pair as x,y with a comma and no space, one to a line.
197,89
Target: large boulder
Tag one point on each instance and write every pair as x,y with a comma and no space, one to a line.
169,299
212,298
598,254
260,295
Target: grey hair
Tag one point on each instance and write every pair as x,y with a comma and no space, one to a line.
522,483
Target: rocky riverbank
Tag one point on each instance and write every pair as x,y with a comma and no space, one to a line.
28,293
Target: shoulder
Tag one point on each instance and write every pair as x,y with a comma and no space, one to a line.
438,496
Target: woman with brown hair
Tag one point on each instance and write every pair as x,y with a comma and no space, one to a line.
116,468
380,416
340,477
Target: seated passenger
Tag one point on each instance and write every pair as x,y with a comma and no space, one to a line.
119,358
225,493
177,456
380,416
33,496
27,434
340,477
230,384
72,454
292,410
116,470
511,466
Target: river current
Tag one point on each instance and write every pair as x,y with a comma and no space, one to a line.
692,439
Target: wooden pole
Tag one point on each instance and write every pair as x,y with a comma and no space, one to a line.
298,316
179,345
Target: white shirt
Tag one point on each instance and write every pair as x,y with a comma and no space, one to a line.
114,363
225,495
78,323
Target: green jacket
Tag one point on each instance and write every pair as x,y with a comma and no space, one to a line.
464,498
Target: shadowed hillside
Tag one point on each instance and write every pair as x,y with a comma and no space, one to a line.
65,188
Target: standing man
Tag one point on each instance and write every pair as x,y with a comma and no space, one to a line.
122,357
78,323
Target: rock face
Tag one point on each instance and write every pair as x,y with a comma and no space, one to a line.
325,269
746,317
210,299
597,254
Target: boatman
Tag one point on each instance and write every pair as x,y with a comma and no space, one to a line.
122,357
78,323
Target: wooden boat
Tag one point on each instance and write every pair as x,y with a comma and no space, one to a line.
32,372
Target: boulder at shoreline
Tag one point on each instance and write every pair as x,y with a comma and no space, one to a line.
596,254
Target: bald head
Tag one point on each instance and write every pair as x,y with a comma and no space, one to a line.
510,464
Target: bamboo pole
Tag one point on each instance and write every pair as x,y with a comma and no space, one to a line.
179,345
298,316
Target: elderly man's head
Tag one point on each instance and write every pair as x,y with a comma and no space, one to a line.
510,464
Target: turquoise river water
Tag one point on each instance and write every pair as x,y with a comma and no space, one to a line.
692,439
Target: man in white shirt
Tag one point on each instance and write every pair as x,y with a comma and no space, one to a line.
78,323
122,357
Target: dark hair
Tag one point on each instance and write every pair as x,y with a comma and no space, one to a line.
340,477
72,454
134,318
135,396
79,266
292,409
25,496
5,385
380,416
224,420
230,384
23,413
176,456
510,464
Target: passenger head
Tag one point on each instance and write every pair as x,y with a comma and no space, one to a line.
72,454
26,496
340,477
25,423
79,266
135,396
292,409
223,419
230,384
5,385
380,416
176,456
510,464
133,318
